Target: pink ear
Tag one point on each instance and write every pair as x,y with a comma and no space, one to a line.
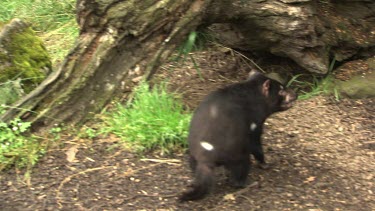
266,87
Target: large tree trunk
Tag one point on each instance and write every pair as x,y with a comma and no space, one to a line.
122,41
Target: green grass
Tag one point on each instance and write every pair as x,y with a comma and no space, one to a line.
196,41
154,120
310,85
44,15
60,40
54,21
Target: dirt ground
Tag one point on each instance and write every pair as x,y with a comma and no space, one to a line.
321,154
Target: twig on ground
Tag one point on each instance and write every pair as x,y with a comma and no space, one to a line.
238,193
167,161
67,179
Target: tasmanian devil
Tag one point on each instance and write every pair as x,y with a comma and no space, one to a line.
227,127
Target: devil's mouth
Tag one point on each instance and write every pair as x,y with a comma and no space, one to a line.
287,105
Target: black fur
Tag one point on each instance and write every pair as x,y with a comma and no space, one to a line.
224,119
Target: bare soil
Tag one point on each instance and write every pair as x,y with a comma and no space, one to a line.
321,154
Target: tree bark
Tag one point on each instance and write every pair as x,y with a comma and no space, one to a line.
122,42
310,32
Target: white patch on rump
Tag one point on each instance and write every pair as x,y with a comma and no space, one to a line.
253,126
213,111
207,146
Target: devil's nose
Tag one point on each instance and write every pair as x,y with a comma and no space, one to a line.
292,95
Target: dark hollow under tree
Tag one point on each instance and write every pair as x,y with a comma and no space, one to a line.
122,42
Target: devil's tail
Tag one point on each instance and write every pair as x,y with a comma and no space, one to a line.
202,185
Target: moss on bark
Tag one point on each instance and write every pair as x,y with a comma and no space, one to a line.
23,56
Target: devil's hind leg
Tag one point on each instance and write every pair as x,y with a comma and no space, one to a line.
202,185
238,170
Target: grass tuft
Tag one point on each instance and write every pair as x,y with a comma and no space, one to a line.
195,41
310,85
154,120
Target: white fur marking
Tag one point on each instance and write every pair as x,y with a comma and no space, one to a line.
207,146
252,74
287,98
253,126
213,111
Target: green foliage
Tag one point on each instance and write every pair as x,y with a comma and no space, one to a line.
61,40
43,14
55,22
15,148
155,119
53,19
10,92
195,41
312,85
88,132
56,132
28,57
185,51
189,44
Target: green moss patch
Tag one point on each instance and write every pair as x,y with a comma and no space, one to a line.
24,56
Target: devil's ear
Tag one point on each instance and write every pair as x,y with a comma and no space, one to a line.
253,73
266,87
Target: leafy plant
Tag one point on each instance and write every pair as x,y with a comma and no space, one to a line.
10,92
88,132
54,21
56,132
155,119
15,148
